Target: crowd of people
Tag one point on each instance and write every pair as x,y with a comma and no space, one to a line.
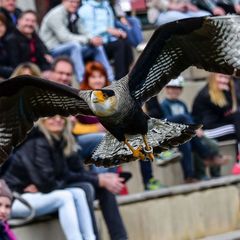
164,11
88,32
92,42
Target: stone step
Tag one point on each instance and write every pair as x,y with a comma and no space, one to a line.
184,212
171,174
235,235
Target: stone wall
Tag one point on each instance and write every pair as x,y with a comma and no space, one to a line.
182,212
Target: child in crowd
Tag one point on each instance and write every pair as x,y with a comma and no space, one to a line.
5,210
175,110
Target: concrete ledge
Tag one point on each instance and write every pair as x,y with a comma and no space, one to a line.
184,216
227,143
228,236
193,211
177,190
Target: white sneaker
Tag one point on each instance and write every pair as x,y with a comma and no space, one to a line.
140,47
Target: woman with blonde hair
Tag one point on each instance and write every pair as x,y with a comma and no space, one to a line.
216,107
40,171
27,68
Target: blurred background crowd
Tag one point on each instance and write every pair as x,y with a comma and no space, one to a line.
88,44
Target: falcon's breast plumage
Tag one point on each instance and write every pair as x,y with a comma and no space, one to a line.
211,43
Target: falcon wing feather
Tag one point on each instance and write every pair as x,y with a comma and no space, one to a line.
211,43
25,99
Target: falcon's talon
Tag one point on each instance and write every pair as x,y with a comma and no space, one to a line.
137,153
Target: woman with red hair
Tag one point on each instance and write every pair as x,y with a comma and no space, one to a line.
95,77
88,130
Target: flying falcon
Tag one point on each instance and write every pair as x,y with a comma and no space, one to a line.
211,43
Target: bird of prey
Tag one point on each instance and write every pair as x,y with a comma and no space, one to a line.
211,43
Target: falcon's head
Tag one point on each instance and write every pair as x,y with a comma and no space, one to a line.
103,102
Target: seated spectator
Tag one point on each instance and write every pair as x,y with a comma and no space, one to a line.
62,70
210,6
88,130
5,65
41,187
11,12
26,68
97,20
176,111
24,45
6,198
164,11
108,184
230,6
221,7
216,106
61,32
130,24
39,172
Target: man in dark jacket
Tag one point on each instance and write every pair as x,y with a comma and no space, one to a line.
105,184
11,12
24,45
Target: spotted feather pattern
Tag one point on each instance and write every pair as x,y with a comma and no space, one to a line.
212,44
161,135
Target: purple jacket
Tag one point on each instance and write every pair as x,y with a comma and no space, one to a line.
6,232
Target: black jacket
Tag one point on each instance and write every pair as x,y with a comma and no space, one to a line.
37,162
18,46
5,63
154,109
11,25
206,112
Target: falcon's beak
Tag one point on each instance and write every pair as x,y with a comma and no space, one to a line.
99,97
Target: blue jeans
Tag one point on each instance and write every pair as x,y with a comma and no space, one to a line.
88,142
134,31
186,148
78,52
109,208
170,16
72,208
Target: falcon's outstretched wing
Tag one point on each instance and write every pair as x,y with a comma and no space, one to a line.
211,43
24,99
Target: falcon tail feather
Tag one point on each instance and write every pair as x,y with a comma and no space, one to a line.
161,136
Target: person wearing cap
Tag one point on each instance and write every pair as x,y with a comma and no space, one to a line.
6,198
175,110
